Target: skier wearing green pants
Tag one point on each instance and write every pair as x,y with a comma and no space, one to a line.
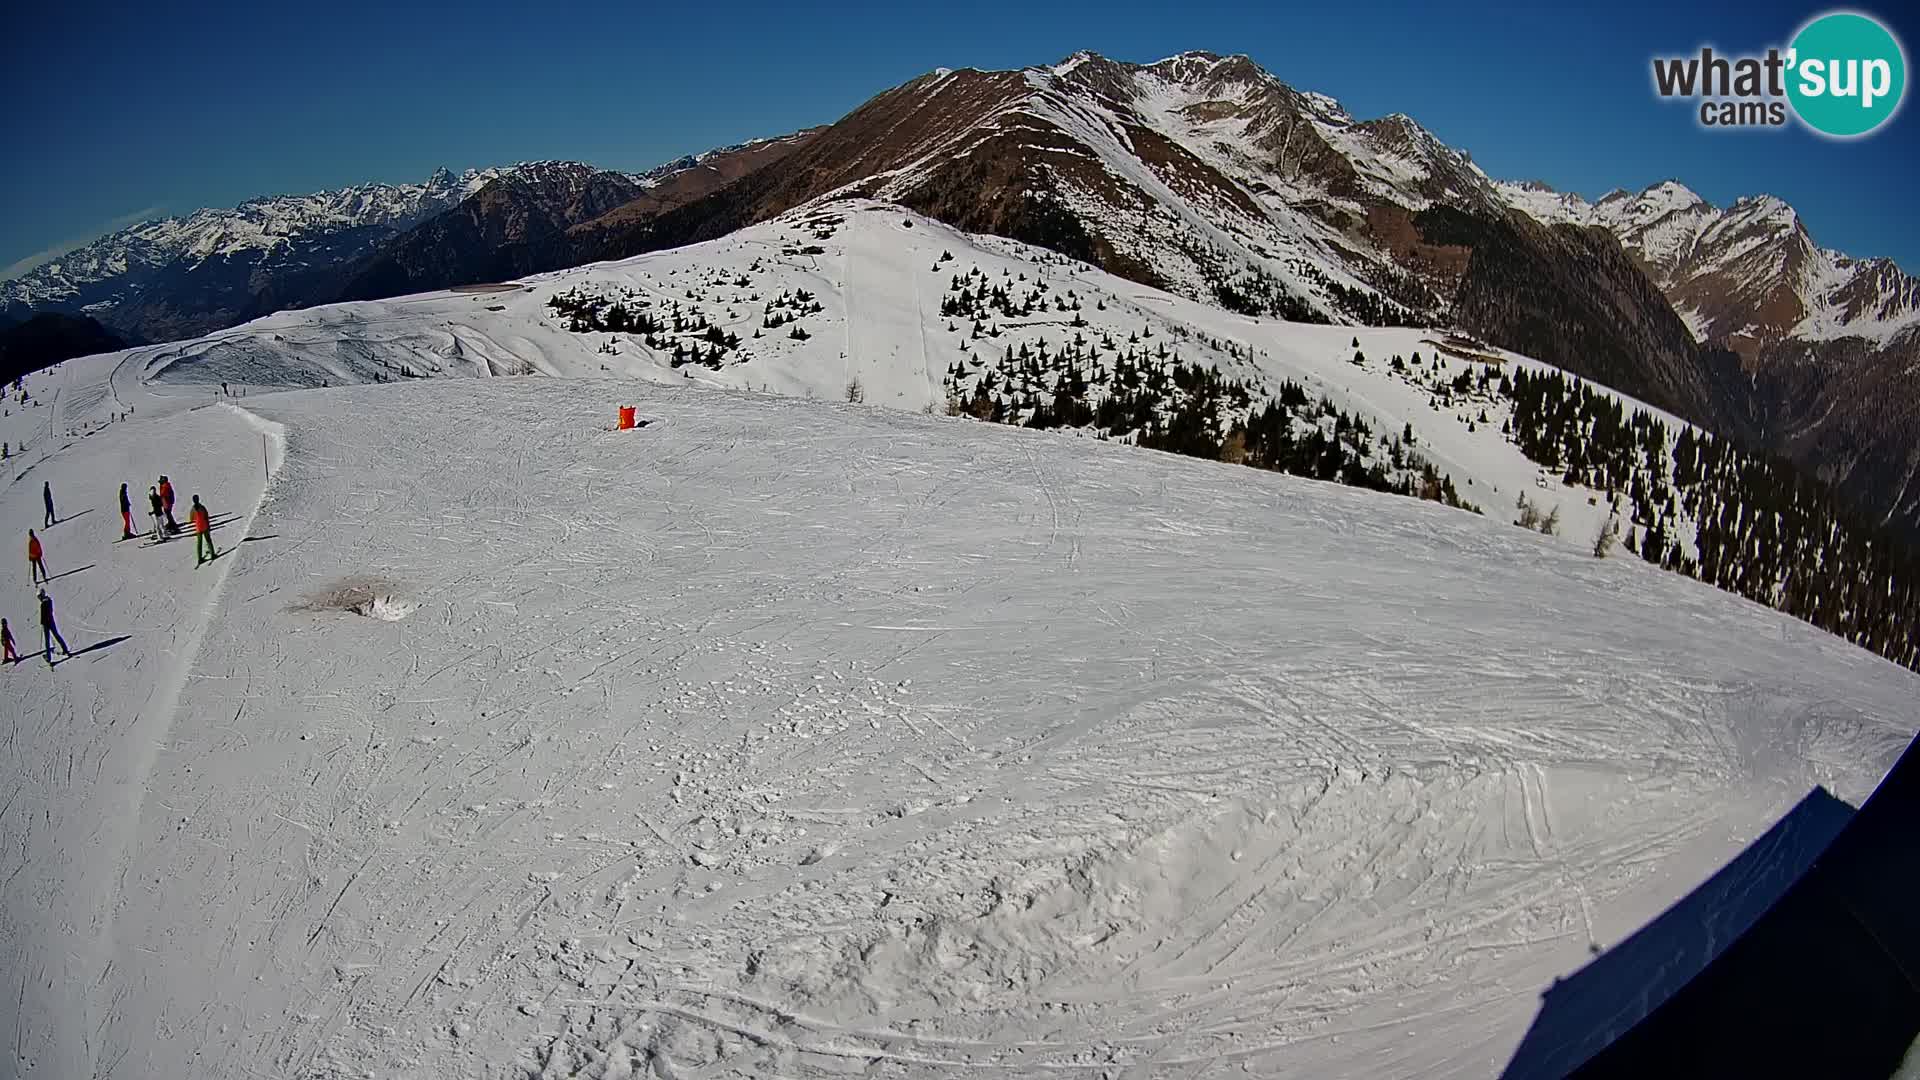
203,550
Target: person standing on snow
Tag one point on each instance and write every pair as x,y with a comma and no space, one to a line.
36,566
126,514
6,645
166,500
50,630
202,534
46,492
159,522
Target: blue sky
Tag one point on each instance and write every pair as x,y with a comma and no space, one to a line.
116,113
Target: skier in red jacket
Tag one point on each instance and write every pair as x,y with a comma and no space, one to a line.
34,553
202,534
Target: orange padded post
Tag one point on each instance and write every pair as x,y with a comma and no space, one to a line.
626,417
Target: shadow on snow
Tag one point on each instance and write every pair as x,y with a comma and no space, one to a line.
1800,957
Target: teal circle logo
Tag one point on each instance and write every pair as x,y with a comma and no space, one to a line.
1847,74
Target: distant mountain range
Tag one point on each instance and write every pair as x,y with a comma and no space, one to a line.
1202,174
178,277
532,219
181,277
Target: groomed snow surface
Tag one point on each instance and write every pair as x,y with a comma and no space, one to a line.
781,737
879,276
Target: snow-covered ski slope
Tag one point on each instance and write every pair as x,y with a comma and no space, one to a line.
878,276
798,738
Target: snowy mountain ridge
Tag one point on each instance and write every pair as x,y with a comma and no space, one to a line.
1259,178
854,289
266,224
279,223
207,266
1208,176
1253,176
1820,351
665,171
1746,274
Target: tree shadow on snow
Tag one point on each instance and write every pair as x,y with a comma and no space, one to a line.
1795,959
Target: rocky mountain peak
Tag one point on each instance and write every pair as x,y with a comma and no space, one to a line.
1672,193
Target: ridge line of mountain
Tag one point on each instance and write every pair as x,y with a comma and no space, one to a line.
1210,177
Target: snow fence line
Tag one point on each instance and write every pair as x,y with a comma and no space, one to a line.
273,440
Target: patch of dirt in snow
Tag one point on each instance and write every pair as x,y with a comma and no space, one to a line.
372,597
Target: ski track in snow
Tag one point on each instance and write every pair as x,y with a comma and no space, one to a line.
798,738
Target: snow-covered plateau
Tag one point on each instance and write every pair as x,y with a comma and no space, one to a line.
806,738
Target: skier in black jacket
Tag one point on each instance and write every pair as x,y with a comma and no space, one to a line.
49,629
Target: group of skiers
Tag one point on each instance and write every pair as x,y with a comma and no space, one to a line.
160,510
160,499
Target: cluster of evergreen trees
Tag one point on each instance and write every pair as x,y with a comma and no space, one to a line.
1365,307
586,312
1752,525
1153,399
1343,451
1254,290
789,307
974,296
684,334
